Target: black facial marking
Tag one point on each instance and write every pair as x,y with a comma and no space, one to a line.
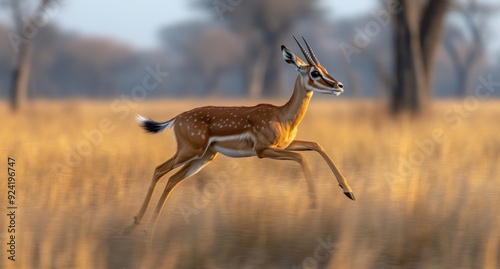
327,83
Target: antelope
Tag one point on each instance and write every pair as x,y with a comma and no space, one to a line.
264,130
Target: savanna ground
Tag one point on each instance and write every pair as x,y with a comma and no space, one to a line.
427,190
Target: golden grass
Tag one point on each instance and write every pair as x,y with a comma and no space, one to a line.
251,213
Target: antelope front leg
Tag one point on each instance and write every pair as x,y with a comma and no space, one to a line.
280,154
298,145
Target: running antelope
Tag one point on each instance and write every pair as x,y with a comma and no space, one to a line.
265,131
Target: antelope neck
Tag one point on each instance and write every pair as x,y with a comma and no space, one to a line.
294,110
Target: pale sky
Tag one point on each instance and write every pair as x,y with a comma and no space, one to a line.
138,21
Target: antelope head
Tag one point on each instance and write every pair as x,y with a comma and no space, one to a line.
314,77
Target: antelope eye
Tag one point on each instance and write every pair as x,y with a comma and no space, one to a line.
315,74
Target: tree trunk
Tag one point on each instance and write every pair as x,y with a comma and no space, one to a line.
431,30
463,67
273,77
21,73
410,78
20,78
353,81
256,75
460,68
212,83
417,33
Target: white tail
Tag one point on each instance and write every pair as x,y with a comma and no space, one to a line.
152,126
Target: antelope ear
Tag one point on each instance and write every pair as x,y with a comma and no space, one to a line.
290,58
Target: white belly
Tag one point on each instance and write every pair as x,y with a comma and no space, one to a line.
234,146
233,152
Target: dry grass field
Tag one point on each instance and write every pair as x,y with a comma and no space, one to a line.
427,189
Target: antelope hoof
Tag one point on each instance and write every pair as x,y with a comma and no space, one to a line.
130,228
350,195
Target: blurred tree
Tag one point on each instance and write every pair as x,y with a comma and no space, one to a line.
25,28
466,48
66,65
6,61
417,33
175,39
207,53
262,25
215,51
